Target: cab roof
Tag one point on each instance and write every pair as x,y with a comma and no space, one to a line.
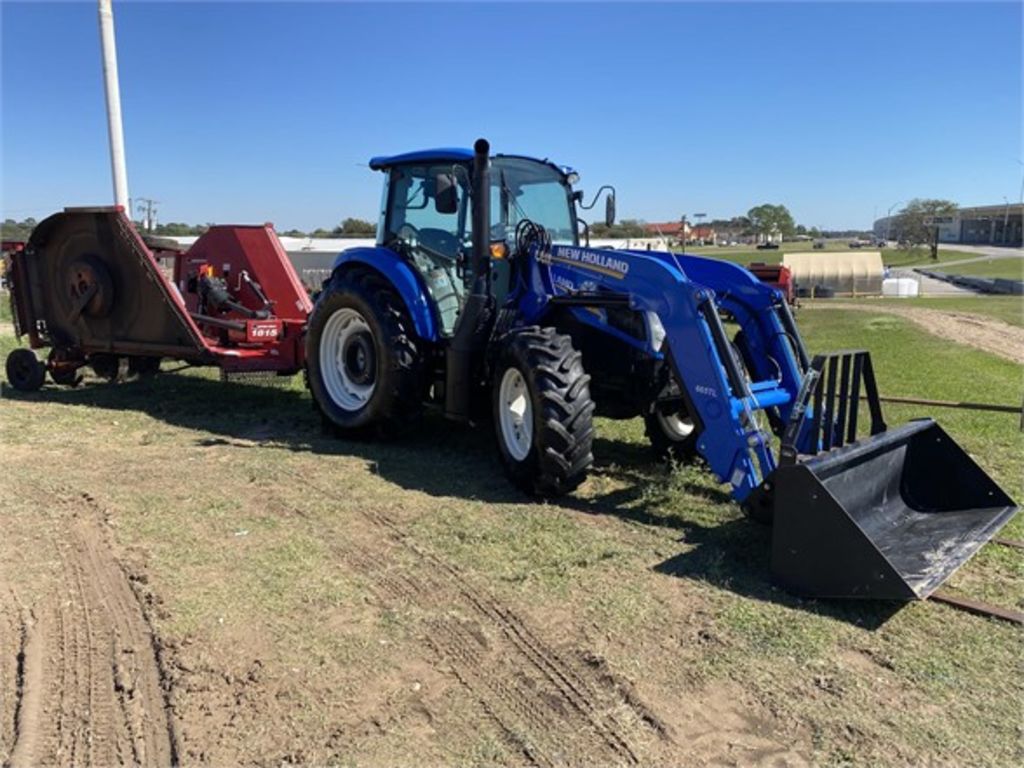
446,155
439,155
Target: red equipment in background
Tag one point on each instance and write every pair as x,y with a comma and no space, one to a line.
88,286
776,275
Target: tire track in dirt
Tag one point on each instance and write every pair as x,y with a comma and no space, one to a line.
553,708
985,333
11,649
89,687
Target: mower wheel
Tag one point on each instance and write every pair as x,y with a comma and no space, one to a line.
363,364
25,372
672,435
109,367
57,363
543,414
143,367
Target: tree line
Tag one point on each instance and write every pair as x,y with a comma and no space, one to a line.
350,227
916,224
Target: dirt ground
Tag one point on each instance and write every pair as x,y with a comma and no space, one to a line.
88,681
975,330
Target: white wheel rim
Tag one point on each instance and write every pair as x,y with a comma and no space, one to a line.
515,414
346,393
675,426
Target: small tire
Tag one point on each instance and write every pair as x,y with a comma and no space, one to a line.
672,435
25,372
61,372
143,366
66,378
543,412
363,360
110,367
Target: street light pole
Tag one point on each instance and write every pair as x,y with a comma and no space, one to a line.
113,91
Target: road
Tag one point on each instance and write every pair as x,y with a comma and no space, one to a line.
981,252
929,286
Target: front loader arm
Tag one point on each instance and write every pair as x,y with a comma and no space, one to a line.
736,449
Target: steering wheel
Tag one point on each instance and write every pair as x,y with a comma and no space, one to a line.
413,236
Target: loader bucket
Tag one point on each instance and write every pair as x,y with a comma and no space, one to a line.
890,517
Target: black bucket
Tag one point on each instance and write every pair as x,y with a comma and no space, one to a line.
889,517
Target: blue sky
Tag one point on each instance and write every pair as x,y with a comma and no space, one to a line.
243,112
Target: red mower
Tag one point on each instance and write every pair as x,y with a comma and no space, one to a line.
87,286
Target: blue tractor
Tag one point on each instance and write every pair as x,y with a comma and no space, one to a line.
480,300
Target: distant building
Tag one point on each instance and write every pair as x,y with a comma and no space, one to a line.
703,233
674,230
978,225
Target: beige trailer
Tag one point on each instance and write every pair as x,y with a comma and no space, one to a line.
854,273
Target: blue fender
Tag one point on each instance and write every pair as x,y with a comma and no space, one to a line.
405,280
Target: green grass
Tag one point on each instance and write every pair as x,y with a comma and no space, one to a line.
1011,268
920,257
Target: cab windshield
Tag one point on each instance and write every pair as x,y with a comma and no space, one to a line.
527,189
520,189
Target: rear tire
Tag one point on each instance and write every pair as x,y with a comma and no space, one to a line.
363,364
25,372
543,414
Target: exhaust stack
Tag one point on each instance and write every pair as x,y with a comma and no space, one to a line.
474,323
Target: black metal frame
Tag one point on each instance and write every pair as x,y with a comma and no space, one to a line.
832,386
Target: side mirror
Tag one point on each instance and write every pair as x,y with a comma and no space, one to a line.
609,209
577,196
446,194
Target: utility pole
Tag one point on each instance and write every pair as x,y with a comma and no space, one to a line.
1006,220
888,221
700,218
147,208
113,91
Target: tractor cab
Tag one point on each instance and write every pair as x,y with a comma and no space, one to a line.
426,217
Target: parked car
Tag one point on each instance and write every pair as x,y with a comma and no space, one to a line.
819,245
768,247
855,244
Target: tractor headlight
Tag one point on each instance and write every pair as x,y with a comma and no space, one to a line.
657,330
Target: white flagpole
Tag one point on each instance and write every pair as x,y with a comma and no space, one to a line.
115,129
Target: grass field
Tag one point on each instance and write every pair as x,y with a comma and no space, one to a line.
329,601
1011,268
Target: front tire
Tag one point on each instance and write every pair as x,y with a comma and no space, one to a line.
362,360
543,414
672,435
